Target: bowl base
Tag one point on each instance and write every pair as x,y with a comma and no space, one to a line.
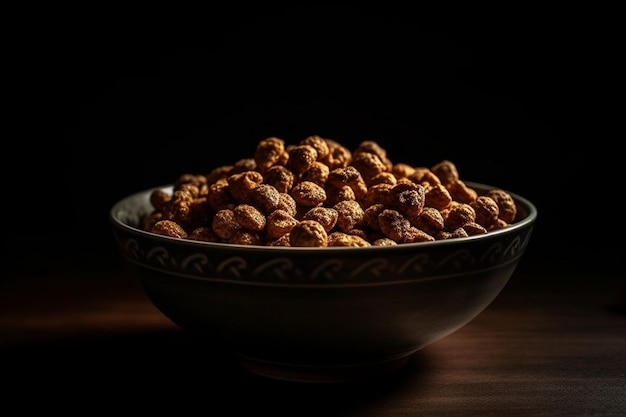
324,373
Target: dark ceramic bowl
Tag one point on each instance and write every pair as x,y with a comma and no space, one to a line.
321,314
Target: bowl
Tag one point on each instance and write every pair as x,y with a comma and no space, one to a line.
321,314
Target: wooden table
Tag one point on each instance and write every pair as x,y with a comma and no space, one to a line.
78,339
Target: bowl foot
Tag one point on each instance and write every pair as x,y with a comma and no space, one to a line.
324,373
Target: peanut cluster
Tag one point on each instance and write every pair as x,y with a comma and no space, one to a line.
318,193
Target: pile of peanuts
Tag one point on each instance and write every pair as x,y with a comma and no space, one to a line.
319,193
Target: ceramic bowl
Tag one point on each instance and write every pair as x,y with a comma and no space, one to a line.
321,314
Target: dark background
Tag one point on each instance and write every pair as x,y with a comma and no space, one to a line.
111,107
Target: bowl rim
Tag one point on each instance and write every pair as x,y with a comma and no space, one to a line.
118,208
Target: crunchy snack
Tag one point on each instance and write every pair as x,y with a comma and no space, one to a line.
308,233
268,153
326,216
279,224
241,184
345,239
169,228
349,215
308,194
280,177
486,210
507,210
318,193
250,217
